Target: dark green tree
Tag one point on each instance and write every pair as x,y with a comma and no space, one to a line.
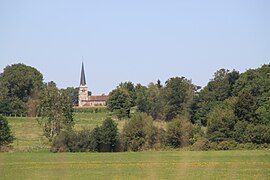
18,83
177,94
6,136
221,121
245,107
142,101
108,135
217,90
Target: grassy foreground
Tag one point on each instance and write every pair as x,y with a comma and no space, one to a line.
140,165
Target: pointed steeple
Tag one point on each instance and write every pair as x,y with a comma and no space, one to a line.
83,80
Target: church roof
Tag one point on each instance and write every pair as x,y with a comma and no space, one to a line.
98,98
83,80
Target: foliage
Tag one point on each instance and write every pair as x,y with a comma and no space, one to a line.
119,102
108,135
6,136
178,94
217,90
73,93
178,132
155,102
129,86
56,110
18,84
221,121
139,133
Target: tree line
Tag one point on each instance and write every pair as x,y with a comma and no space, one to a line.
232,111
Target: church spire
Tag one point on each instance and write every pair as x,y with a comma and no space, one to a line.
83,81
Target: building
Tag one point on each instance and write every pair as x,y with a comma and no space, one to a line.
84,99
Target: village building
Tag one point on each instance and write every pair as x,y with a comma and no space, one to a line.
84,99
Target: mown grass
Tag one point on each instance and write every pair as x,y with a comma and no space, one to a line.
140,165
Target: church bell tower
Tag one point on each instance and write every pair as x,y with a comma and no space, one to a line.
83,90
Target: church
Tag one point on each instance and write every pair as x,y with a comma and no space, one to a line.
89,101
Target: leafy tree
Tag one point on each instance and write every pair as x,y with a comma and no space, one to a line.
6,136
139,132
245,107
108,135
129,86
178,94
119,102
142,101
155,101
73,93
178,132
17,83
221,121
217,90
56,110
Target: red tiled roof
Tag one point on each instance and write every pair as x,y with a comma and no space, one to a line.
98,98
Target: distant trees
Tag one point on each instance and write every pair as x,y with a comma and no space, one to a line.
119,102
56,110
19,86
160,102
6,136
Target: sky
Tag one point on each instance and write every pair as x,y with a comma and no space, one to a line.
139,41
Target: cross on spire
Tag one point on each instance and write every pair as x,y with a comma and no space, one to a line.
83,80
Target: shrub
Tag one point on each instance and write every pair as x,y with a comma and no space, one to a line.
178,132
202,144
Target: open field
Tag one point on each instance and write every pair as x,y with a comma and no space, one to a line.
29,136
140,165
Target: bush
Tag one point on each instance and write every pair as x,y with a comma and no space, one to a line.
202,144
101,139
178,132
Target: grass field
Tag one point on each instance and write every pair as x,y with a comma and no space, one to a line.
29,136
140,165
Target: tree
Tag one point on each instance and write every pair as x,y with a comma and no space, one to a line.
217,90
73,93
18,83
245,107
178,94
56,110
119,102
139,132
178,132
221,121
6,136
129,86
108,135
155,102
142,101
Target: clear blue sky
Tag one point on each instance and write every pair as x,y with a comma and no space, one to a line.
139,41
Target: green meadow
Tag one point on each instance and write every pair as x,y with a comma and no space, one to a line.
139,165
